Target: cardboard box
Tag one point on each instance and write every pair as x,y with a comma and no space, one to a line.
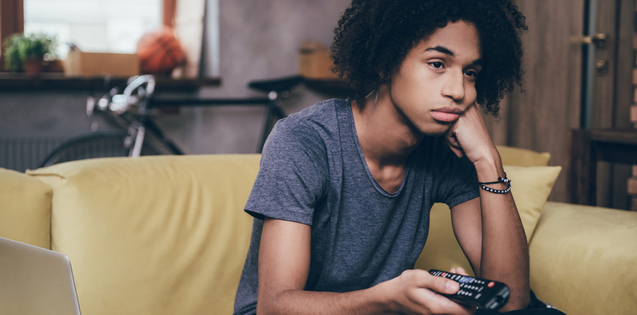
79,63
316,64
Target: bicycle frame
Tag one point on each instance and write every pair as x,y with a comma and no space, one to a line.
134,108
271,103
137,100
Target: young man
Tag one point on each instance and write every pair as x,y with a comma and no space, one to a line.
342,199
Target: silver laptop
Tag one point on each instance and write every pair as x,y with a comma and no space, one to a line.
34,280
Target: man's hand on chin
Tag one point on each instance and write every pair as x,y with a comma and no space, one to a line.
469,136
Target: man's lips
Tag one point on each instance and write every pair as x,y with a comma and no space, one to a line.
446,114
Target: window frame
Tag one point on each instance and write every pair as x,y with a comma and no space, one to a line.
12,19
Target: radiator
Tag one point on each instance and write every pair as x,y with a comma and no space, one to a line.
24,152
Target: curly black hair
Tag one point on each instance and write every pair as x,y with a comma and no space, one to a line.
373,38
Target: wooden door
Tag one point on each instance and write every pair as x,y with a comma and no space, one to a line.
612,65
551,103
541,116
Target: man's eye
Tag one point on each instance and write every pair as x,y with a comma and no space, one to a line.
437,64
471,73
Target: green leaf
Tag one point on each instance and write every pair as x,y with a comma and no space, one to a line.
19,47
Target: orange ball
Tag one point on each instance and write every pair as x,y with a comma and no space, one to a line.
159,52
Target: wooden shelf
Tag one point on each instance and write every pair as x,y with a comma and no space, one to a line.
47,81
591,146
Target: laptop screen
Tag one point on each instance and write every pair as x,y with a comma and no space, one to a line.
34,280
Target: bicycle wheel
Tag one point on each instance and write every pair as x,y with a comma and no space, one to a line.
94,145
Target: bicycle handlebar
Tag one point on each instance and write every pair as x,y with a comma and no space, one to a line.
131,109
121,103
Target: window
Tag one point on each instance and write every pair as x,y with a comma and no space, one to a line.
115,25
93,25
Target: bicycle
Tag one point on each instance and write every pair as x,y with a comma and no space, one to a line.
133,109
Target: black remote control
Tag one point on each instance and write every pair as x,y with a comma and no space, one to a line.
478,292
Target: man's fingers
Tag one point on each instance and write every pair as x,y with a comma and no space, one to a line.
452,141
438,284
454,145
459,270
428,293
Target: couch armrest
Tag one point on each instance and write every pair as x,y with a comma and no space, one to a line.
584,259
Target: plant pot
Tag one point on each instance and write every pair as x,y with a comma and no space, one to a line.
33,67
53,66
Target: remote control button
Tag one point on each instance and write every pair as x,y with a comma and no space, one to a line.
491,284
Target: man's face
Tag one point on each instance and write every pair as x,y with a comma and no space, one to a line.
436,81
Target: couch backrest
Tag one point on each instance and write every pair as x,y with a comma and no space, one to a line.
25,209
153,235
156,235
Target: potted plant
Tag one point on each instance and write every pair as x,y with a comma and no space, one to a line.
26,52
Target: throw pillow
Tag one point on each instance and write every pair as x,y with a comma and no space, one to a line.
531,187
523,157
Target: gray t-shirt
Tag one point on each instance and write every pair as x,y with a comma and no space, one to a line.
313,172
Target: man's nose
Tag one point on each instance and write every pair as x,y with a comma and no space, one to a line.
454,86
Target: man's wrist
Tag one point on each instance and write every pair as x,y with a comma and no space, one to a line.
489,169
381,297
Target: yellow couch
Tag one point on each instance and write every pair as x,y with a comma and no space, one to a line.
168,235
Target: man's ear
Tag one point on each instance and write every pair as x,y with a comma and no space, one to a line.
384,78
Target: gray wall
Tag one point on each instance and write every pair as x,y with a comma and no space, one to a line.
258,40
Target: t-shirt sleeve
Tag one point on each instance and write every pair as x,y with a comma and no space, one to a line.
292,175
455,180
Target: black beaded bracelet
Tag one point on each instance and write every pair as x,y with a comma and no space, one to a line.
504,180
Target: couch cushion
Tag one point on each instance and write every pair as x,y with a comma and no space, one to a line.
25,209
523,157
153,235
583,259
531,187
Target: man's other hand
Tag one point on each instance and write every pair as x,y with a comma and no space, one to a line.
418,292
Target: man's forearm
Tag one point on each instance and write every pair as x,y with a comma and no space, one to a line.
367,301
413,292
505,255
